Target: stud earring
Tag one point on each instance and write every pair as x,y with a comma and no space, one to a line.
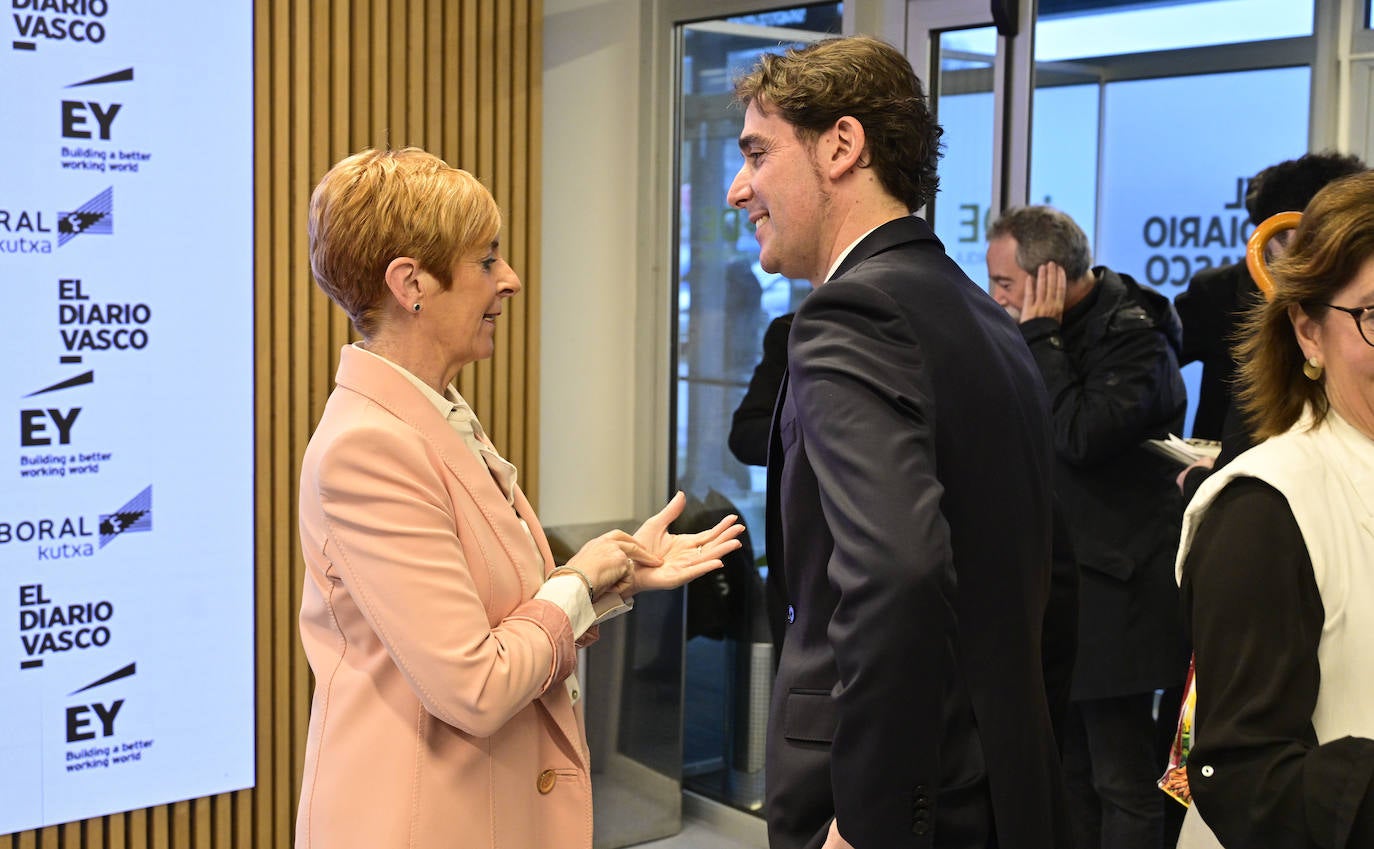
416,307
1312,369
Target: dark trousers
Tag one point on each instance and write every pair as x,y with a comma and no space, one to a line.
1111,763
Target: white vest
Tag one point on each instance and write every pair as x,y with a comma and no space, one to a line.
1327,476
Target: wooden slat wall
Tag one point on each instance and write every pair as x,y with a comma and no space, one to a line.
462,79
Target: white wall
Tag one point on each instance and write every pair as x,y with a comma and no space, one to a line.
590,232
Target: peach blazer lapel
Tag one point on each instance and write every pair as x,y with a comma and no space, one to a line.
382,384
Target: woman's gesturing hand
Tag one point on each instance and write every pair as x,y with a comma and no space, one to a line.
608,560
683,556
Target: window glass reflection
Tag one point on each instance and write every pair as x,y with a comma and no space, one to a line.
725,302
963,105
1185,210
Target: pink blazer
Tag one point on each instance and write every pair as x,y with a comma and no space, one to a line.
440,717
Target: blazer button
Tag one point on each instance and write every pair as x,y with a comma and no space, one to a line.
791,614
547,779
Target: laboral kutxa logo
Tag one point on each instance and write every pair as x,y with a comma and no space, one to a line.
72,537
27,231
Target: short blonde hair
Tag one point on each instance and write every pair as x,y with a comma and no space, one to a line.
1333,241
377,205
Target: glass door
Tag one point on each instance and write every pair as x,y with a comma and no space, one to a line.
977,75
725,303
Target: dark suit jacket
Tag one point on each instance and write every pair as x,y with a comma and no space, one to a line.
910,509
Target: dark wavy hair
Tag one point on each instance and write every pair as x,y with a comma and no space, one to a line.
814,86
1333,241
1291,184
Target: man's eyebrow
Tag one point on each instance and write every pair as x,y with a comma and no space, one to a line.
750,140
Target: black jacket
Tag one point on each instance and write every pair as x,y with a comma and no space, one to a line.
1212,307
1209,309
909,507
1111,371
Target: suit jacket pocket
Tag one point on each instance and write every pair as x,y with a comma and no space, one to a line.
809,716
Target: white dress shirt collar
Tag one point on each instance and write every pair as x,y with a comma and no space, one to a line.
844,253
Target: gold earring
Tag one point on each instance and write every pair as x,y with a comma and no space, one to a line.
1312,369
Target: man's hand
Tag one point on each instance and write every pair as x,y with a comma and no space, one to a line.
1199,463
1045,294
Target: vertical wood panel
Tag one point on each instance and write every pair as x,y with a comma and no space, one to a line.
460,78
533,205
434,84
500,181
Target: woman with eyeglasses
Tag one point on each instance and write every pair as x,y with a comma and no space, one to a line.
1276,564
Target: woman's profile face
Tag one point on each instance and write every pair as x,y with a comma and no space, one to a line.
1348,360
465,316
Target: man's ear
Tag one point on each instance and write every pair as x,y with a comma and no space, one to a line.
403,279
848,149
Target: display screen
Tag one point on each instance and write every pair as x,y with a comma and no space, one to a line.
126,521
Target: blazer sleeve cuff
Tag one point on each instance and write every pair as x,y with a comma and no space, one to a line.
553,621
593,634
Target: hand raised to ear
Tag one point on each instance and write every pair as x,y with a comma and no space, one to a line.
1045,294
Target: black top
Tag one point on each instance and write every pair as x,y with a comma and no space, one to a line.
1256,616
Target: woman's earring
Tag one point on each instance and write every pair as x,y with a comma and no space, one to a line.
416,307
1311,369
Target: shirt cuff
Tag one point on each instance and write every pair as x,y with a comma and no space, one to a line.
609,606
569,593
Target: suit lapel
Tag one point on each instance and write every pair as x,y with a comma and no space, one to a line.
773,495
382,384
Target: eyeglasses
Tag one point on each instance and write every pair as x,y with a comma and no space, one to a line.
1364,320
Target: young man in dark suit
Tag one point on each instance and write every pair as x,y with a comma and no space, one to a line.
909,484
